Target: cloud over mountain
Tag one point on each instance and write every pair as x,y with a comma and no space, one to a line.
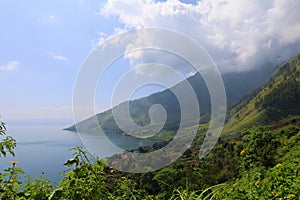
239,35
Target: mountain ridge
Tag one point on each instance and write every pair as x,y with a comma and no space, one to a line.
139,107
277,100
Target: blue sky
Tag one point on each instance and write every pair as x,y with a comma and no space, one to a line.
44,43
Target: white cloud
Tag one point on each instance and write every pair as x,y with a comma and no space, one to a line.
58,57
239,35
50,19
11,66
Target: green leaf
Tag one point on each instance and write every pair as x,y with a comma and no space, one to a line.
71,162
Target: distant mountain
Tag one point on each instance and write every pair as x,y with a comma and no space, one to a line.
236,85
277,100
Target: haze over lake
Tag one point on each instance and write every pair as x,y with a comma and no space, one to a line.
41,148
44,148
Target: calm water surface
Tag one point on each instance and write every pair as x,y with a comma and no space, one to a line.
41,148
45,148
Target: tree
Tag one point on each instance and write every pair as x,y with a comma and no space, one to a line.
260,147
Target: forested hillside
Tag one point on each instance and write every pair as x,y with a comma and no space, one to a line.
278,99
236,84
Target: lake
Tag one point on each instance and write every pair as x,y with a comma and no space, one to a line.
45,148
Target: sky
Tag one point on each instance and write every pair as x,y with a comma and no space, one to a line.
44,43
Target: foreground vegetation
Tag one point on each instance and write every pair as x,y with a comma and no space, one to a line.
260,163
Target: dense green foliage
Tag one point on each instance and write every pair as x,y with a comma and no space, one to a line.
277,100
259,164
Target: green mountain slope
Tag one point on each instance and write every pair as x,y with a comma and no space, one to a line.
277,100
139,108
